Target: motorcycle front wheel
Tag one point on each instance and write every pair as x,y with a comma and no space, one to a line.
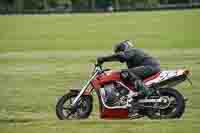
175,106
82,110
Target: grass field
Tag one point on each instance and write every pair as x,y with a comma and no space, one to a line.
41,57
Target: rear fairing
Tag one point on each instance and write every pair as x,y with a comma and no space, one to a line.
168,78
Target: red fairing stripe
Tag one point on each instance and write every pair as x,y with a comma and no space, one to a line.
152,77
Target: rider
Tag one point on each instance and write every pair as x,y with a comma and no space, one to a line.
140,65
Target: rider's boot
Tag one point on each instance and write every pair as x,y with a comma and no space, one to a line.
143,90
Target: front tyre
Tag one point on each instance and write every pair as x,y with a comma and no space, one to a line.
82,111
174,109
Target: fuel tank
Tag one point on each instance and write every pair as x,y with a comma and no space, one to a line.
106,77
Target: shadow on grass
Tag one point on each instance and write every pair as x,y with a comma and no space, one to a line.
17,120
117,122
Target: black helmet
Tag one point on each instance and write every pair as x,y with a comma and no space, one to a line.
122,46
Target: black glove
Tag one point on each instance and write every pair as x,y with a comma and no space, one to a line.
100,60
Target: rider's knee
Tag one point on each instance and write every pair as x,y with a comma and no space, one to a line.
125,74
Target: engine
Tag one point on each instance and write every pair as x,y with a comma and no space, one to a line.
115,94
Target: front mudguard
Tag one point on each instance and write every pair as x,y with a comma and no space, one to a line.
74,91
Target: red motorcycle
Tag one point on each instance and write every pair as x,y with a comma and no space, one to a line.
118,98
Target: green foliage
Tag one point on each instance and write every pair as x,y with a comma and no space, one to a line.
33,4
80,4
178,1
86,4
6,1
60,2
148,3
124,3
54,3
153,3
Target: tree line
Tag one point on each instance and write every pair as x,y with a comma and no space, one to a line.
87,5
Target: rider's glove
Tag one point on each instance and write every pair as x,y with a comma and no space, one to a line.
100,60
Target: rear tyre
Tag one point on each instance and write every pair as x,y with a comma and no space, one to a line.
82,111
175,109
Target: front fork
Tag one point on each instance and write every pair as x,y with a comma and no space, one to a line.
83,90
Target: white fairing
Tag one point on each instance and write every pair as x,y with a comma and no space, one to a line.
164,75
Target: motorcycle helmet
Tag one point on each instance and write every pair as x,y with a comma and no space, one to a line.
123,46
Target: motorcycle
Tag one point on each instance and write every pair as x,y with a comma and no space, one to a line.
118,98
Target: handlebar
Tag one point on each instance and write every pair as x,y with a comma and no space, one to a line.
101,69
98,65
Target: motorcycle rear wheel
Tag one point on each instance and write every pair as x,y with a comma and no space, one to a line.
175,109
82,111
